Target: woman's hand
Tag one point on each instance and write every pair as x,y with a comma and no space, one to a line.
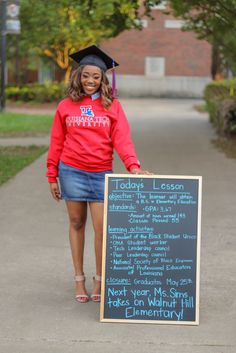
140,171
55,191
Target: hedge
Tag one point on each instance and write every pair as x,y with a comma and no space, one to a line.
42,93
220,97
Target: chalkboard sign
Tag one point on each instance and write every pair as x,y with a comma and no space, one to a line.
151,249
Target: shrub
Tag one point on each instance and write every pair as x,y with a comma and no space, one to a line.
42,93
221,105
13,93
227,116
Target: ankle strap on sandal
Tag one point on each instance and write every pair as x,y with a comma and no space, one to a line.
79,278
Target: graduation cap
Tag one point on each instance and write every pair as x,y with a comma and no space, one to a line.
96,57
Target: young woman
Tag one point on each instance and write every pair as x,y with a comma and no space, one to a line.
87,126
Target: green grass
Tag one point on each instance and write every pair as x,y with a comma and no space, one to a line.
16,125
15,158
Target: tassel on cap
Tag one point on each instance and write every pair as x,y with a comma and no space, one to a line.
113,79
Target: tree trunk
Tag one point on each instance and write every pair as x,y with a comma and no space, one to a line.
68,73
216,64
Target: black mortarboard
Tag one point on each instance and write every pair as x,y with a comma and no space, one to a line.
94,56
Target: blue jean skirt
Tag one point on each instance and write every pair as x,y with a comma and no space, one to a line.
78,185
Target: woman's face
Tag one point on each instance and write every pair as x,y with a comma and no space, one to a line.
91,77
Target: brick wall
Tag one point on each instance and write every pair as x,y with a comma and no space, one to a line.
184,54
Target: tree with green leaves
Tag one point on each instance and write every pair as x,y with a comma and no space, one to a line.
214,21
54,29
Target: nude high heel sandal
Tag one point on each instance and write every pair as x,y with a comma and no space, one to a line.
96,298
81,298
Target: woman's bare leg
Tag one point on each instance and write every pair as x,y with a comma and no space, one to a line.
77,212
96,209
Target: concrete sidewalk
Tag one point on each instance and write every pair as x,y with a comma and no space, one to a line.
38,312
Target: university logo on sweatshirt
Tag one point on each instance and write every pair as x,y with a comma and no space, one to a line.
86,110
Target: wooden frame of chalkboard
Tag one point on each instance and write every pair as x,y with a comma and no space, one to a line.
151,249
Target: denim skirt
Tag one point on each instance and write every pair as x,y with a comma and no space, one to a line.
78,185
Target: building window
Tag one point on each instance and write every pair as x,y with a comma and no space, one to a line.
154,66
46,72
174,23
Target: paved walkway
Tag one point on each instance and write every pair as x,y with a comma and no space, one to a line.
38,313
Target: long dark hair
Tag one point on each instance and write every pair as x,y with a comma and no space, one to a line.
75,90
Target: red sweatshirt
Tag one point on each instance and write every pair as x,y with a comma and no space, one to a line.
84,134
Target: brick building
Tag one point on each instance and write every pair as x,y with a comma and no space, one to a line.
160,60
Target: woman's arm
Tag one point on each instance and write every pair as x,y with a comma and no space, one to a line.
57,139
